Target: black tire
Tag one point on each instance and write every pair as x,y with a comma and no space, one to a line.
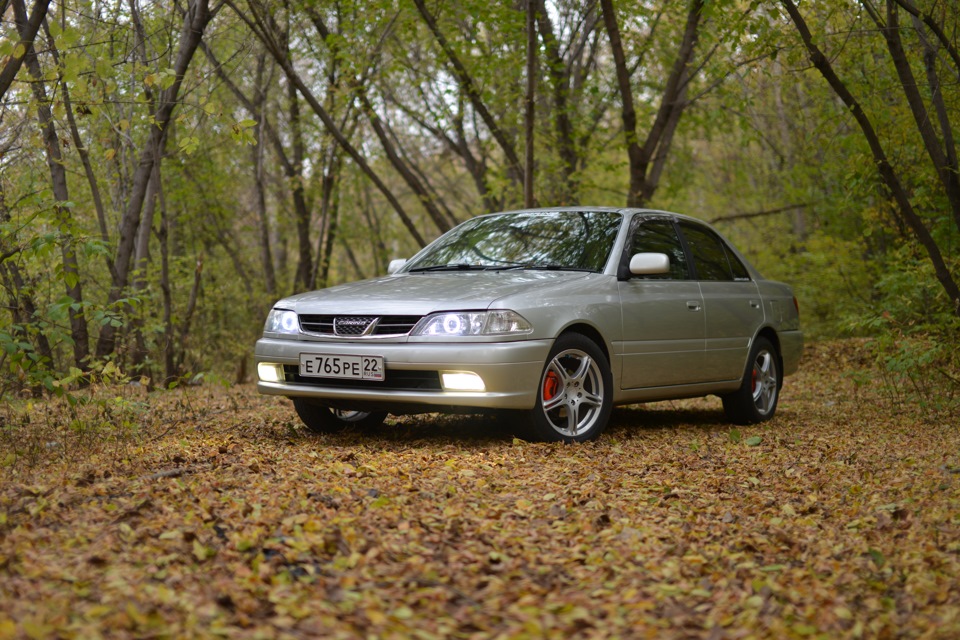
575,394
322,419
756,399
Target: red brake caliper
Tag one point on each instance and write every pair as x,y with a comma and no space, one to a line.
551,385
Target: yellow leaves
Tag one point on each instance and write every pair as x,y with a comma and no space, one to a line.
201,552
415,532
8,629
162,79
402,612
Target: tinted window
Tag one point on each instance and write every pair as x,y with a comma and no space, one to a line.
660,236
739,270
559,239
709,254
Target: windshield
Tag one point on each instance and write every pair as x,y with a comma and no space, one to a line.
578,240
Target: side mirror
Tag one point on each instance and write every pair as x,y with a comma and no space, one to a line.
649,264
395,266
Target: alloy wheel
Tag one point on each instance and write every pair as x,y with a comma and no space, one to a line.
764,381
572,392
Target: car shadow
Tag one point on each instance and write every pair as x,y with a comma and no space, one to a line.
493,430
663,416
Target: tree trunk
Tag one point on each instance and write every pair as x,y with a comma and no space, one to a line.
300,209
406,172
887,173
529,107
195,21
260,189
58,178
262,26
647,161
559,74
169,364
188,314
470,89
330,210
409,176
21,305
937,30
141,263
28,33
940,154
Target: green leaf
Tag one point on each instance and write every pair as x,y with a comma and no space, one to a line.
735,436
189,144
754,441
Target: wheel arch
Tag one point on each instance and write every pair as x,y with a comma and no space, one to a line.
591,332
770,334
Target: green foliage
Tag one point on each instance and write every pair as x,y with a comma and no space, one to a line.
913,333
88,410
764,147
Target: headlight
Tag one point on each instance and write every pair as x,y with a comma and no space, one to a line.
472,323
281,321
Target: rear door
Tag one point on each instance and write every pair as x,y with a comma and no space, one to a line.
663,319
733,308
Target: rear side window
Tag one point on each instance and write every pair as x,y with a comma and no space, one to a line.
660,236
739,270
711,257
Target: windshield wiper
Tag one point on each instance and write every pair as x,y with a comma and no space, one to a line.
460,266
545,267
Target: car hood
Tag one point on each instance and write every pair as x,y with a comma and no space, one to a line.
423,293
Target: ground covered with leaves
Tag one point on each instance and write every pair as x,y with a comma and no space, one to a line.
218,515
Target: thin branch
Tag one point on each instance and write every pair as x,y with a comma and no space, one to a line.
760,214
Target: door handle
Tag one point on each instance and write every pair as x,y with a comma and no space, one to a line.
693,305
754,304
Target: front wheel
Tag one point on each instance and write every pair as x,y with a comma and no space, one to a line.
575,394
322,419
756,399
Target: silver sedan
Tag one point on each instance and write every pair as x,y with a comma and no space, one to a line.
551,315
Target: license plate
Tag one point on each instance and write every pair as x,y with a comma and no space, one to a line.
319,365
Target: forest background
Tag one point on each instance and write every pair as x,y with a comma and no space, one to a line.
169,169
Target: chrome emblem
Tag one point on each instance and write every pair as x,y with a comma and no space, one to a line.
353,325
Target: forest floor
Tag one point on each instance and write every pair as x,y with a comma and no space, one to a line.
217,514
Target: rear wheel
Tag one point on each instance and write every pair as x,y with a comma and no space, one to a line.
575,393
756,399
322,419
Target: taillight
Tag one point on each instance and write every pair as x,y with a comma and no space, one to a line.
796,305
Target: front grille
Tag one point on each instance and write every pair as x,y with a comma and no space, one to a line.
352,326
395,380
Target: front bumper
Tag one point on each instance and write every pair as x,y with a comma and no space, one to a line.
510,372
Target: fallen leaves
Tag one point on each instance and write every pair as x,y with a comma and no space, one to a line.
834,520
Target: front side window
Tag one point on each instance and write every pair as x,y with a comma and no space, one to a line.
660,236
709,254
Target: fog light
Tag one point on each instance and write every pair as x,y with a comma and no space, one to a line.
270,372
461,381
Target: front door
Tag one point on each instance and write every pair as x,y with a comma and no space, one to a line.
663,318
